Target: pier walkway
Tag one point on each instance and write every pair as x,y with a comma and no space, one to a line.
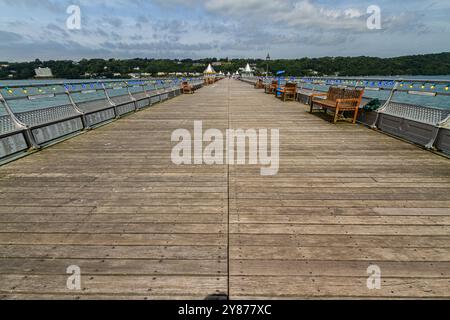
140,227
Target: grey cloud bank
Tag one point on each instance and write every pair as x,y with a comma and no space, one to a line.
194,28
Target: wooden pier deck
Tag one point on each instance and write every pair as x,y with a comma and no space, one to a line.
111,202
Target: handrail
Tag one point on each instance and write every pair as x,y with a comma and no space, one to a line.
90,81
371,83
10,113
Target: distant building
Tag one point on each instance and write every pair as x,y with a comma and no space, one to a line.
43,73
217,64
247,71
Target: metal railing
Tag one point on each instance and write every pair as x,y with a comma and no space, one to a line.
417,110
36,115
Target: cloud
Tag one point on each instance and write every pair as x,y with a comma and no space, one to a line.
52,6
234,28
10,37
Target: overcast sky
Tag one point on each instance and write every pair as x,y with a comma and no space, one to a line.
31,29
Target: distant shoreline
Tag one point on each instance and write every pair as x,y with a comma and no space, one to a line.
405,66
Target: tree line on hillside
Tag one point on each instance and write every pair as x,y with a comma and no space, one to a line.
428,64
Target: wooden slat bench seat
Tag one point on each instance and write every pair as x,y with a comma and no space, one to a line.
186,87
259,84
338,100
288,92
272,87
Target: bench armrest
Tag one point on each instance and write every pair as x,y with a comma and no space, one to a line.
346,101
319,95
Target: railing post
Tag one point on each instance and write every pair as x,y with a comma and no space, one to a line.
131,96
442,124
19,124
145,91
388,101
112,103
77,110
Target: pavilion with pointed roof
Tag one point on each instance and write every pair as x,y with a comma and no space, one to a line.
209,75
247,71
209,71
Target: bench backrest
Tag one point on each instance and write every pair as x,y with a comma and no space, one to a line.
274,84
291,86
354,94
335,93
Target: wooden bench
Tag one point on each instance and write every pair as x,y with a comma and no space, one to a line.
271,88
288,92
338,100
259,84
186,87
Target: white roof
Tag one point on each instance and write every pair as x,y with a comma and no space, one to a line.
210,69
247,68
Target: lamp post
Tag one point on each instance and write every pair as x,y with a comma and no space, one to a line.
267,60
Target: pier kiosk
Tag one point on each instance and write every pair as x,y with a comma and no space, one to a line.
209,75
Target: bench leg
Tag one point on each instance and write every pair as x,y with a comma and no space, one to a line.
336,115
355,116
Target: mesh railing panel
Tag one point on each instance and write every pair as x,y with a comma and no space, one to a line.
6,125
47,115
121,99
421,114
96,105
139,95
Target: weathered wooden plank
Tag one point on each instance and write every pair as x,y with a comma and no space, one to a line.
113,267
301,286
339,220
68,209
199,286
340,253
115,218
111,239
389,269
113,252
120,228
326,240
286,228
